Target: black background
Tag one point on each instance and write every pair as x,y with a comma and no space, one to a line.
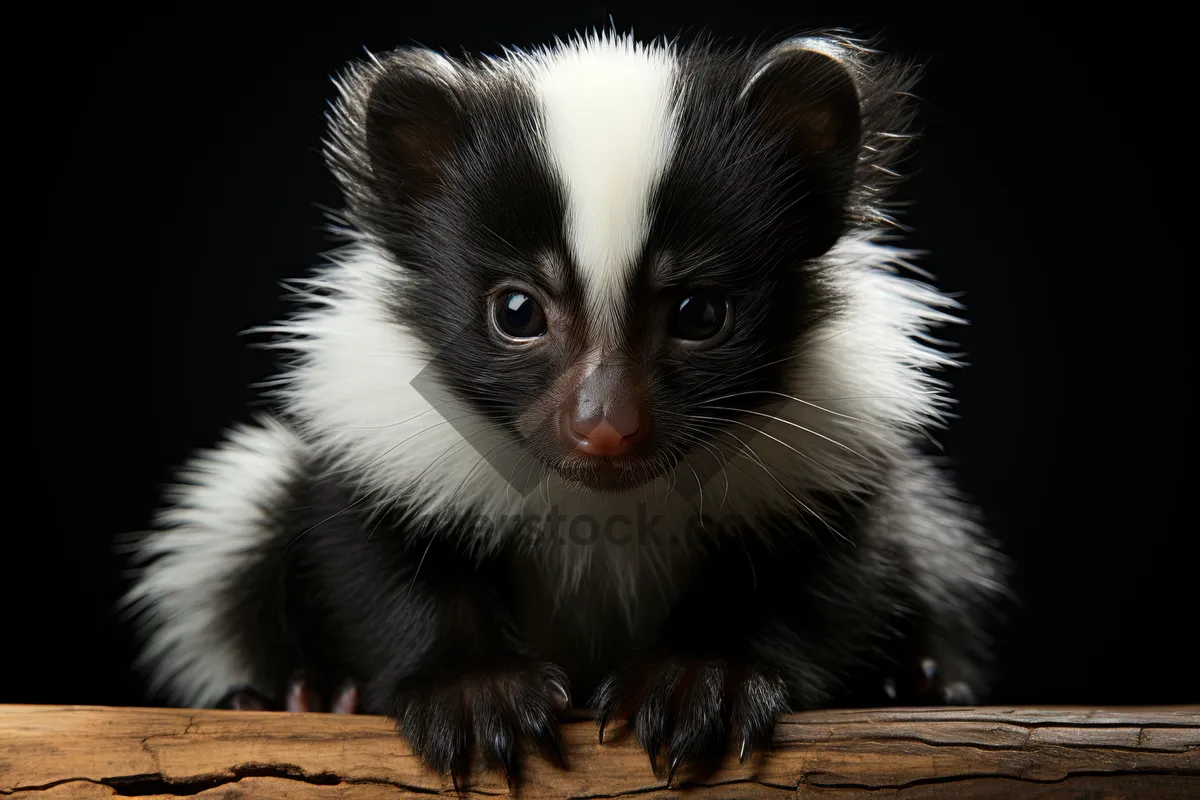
175,178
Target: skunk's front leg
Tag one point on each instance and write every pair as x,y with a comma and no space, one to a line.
341,621
713,679
458,678
489,708
789,624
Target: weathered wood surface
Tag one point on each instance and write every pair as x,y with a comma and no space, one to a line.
87,752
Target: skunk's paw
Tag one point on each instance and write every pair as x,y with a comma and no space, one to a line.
299,696
489,713
926,685
690,708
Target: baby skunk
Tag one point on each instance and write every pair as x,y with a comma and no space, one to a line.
616,393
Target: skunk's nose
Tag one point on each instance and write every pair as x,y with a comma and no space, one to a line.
619,431
607,416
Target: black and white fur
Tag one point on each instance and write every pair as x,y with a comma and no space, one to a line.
353,534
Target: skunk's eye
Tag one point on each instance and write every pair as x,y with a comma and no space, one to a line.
518,316
700,317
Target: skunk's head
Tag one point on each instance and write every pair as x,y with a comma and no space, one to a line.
617,254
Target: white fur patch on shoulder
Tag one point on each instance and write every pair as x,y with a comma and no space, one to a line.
867,381
608,112
217,517
357,391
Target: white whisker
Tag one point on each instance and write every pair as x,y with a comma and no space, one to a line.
832,441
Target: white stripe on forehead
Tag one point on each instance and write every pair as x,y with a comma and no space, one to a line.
607,109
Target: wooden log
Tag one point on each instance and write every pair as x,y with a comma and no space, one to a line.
978,753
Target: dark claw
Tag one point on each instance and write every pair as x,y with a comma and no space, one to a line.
460,770
606,701
762,698
671,772
657,712
499,751
562,698
692,706
301,697
489,713
546,734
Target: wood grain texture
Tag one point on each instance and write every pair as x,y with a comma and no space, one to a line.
86,752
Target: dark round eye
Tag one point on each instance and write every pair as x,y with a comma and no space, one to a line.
519,316
699,316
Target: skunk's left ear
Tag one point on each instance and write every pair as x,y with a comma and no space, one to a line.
802,93
412,122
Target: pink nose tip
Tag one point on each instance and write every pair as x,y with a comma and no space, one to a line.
620,431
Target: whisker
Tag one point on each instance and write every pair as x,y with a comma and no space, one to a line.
412,584
396,424
509,483
379,521
807,403
717,459
699,486
787,491
481,460
803,455
847,448
312,528
354,468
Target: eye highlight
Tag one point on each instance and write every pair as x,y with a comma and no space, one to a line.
700,318
517,315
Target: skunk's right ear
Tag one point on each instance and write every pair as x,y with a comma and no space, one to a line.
411,123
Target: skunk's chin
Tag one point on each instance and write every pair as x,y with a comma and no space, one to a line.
608,474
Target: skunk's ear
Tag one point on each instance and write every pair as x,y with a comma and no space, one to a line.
802,92
412,121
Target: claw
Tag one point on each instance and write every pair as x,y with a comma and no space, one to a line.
553,750
301,697
512,778
562,698
548,739
671,770
603,722
346,700
744,750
